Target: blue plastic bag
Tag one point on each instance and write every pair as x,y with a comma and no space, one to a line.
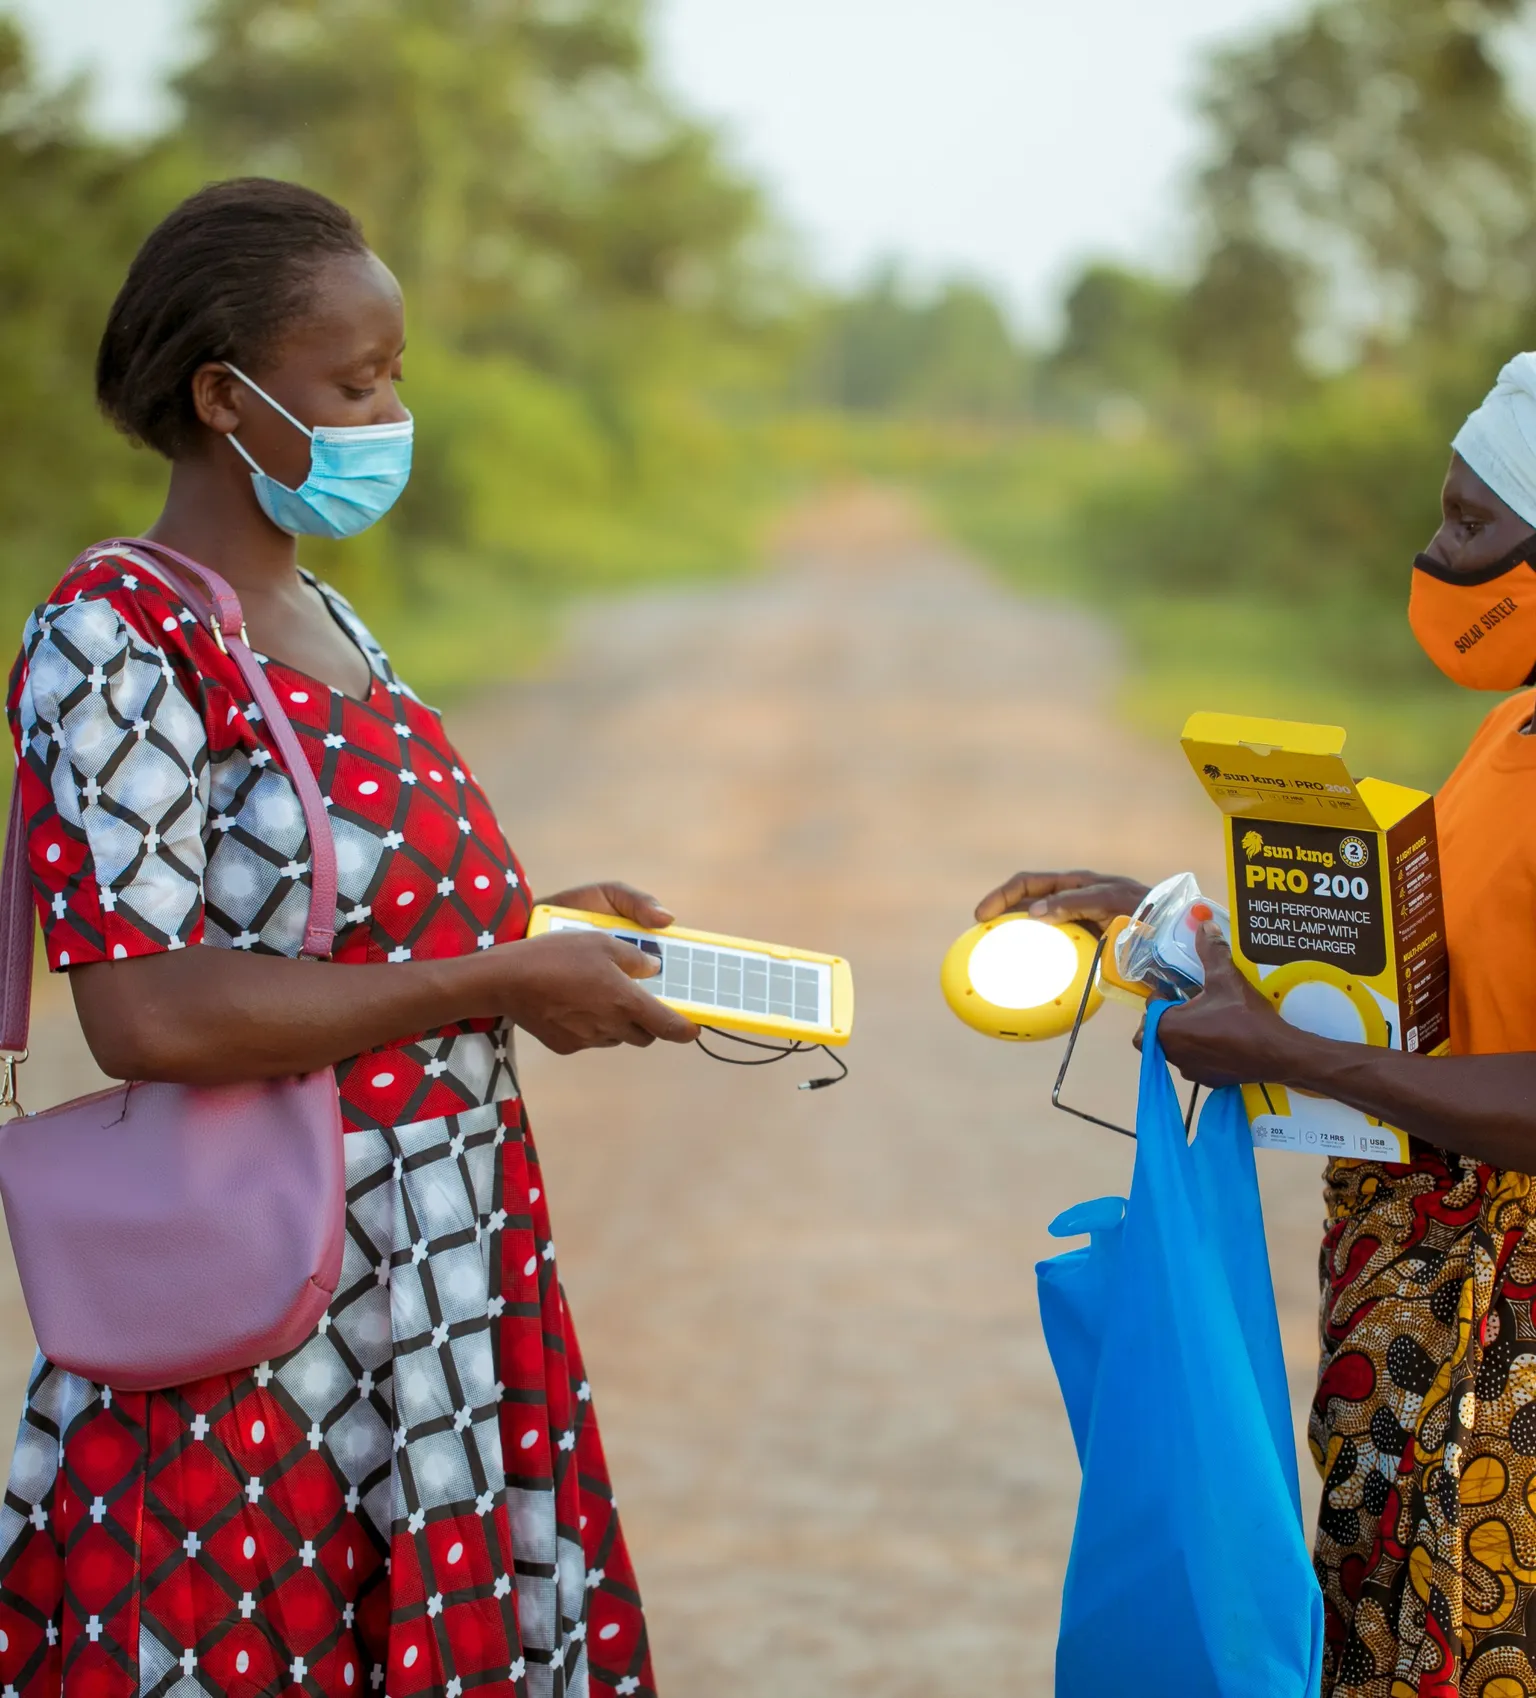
1076,1291
1189,1573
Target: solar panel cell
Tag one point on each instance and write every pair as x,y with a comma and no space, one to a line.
737,980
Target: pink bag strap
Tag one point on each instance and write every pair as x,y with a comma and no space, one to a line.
15,944
216,602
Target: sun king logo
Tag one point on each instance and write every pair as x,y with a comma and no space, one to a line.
1256,849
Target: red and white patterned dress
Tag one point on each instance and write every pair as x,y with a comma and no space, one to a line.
415,1500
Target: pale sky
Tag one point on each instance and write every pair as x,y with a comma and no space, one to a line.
1006,139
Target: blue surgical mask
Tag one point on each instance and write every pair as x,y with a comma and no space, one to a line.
356,474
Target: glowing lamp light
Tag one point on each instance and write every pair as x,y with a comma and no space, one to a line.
1020,979
1023,966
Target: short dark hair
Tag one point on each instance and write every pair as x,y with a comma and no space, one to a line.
219,279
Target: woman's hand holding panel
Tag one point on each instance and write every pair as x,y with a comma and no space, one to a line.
577,990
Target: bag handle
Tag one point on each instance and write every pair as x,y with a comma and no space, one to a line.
215,602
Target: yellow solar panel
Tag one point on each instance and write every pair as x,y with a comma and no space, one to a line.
733,983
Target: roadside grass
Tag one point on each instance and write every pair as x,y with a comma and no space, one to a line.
1017,501
1245,656
457,618
461,622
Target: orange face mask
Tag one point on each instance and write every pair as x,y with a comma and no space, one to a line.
1479,628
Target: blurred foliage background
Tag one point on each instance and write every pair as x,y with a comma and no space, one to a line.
622,368
592,294
1239,458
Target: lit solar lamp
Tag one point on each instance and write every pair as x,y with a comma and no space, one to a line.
1021,979
1024,980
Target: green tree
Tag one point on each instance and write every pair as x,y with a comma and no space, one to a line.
514,160
1242,320
973,364
889,348
578,262
1120,334
1377,145
75,210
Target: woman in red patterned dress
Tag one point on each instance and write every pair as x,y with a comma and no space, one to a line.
415,1500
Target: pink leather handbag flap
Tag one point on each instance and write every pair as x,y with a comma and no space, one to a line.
187,1239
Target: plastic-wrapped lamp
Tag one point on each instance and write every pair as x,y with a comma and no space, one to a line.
1020,979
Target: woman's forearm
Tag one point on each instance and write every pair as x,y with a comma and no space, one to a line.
208,1016
1483,1106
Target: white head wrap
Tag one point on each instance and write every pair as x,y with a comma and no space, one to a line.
1499,440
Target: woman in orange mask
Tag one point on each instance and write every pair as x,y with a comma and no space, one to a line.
1424,1423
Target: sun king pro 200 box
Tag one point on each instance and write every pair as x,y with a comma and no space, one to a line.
1336,911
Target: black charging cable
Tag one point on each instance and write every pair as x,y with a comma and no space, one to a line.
773,1053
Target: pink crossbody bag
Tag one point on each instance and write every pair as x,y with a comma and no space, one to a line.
165,1233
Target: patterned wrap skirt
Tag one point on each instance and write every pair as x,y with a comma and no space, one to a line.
414,1501
1424,1430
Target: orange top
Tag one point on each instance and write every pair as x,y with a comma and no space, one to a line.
1486,819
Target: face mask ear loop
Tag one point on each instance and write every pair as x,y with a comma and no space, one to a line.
234,442
277,406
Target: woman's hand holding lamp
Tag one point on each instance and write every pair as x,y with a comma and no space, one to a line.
1024,978
1022,971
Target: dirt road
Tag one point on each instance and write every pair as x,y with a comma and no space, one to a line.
810,1318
